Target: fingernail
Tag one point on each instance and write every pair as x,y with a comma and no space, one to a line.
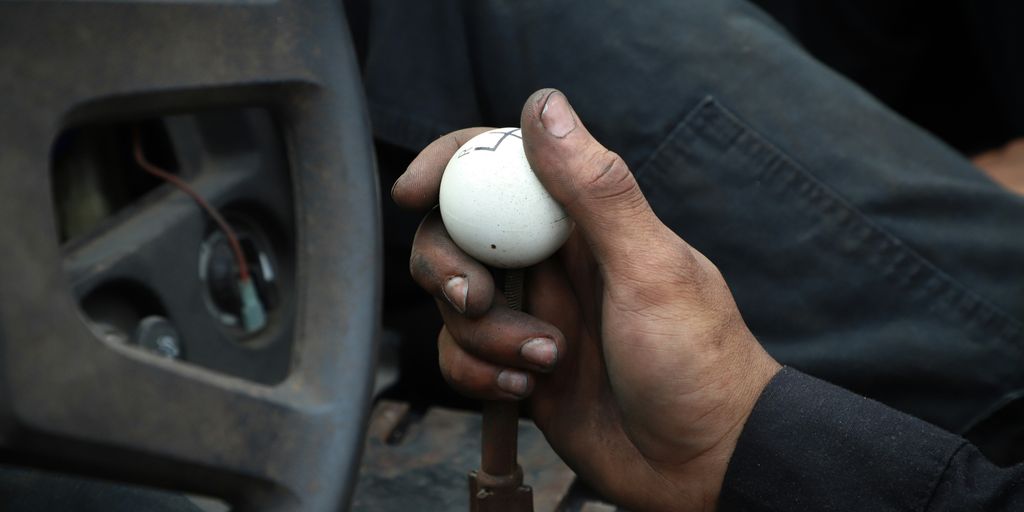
557,116
456,291
540,351
513,382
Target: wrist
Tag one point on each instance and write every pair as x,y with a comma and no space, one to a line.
700,481
752,378
697,483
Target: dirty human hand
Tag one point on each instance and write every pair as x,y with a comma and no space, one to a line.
638,367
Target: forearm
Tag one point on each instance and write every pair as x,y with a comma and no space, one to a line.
809,445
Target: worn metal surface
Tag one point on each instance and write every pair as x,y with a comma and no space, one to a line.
499,439
506,493
498,485
71,401
424,467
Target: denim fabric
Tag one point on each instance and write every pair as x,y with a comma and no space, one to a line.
860,249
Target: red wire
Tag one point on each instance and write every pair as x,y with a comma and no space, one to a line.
236,248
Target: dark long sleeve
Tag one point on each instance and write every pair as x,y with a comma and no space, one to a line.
809,445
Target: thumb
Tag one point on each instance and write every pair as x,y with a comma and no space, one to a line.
593,184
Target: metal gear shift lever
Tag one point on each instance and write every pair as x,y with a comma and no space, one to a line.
497,211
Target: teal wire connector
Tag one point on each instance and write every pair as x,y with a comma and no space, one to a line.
254,317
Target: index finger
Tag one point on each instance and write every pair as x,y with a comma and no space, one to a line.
417,188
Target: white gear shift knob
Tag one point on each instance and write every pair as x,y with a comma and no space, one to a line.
495,208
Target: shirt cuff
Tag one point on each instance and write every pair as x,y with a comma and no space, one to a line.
809,445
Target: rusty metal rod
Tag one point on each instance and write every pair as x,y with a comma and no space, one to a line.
501,419
500,438
498,486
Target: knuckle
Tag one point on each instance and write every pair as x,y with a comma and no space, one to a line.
456,376
417,264
423,272
474,337
609,177
456,139
454,370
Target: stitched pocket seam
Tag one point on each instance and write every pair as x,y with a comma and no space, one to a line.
902,266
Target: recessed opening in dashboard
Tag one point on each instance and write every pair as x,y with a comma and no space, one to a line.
177,235
94,175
